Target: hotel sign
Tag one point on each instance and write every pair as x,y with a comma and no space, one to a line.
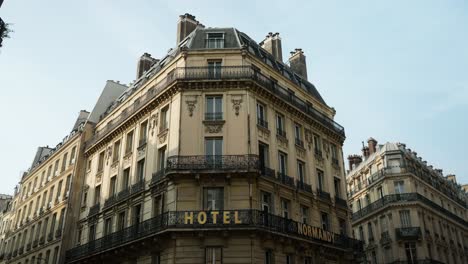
232,218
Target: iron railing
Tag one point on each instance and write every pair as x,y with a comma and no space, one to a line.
385,238
94,209
408,233
323,195
417,261
221,73
341,202
404,197
281,132
246,219
214,163
213,116
304,186
263,123
299,142
285,179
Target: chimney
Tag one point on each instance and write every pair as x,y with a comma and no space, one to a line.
144,63
365,152
272,44
372,145
354,161
187,23
297,62
452,178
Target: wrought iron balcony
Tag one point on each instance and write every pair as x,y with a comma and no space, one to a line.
403,197
213,164
304,186
245,219
385,238
21,250
124,194
58,233
341,202
323,195
281,132
285,179
318,152
299,142
15,253
214,116
142,143
247,73
50,236
268,173
263,123
94,209
408,233
28,246
335,162
42,240
35,243
158,175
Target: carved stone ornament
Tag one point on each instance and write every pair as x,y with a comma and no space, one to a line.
191,102
263,133
163,136
109,154
236,103
300,152
282,142
308,137
213,127
153,122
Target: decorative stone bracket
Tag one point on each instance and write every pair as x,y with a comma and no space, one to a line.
236,103
153,122
191,102
213,127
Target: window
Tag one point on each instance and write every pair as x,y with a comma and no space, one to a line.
47,256
214,108
43,178
157,205
261,115
213,199
263,154
337,184
301,171
56,168
282,163
380,192
92,232
143,133
161,158
267,202
269,256
373,257
67,186
405,218
370,233
305,214
72,155
116,152
334,153
129,142
85,199
289,259
342,225
62,219
156,258
307,260
121,221
280,125
51,195
136,214
101,162
215,40
141,170
97,194
410,249
164,119
59,191
126,179
89,164
108,226
298,135
113,186
383,224
64,161
399,187
214,69
361,233
52,223
320,180
325,221
213,255
213,146
317,145
285,208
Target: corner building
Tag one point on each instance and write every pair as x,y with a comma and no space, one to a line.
218,153
405,210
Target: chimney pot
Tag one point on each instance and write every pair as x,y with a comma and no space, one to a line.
187,23
272,44
297,62
144,64
365,152
372,145
354,161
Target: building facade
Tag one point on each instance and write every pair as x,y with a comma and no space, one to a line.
218,153
404,210
35,224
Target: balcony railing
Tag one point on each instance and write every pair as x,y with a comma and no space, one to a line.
263,123
281,132
158,175
299,142
267,172
94,209
404,197
408,233
341,202
246,219
323,195
385,238
304,186
214,116
222,73
124,194
213,163
285,179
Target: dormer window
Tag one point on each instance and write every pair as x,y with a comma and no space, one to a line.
215,41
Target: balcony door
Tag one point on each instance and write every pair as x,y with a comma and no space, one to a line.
214,151
214,69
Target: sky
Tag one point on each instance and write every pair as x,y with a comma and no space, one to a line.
394,70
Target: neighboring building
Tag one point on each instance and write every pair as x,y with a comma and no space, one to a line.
42,202
5,213
218,153
4,200
404,210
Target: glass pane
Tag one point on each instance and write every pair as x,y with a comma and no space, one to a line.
219,104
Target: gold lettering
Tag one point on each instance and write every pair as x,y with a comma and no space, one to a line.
320,234
226,219
309,231
314,232
201,218
236,218
214,215
188,218
300,228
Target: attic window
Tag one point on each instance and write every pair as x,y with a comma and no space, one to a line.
215,41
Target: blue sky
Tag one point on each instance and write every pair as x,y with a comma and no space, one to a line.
393,70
